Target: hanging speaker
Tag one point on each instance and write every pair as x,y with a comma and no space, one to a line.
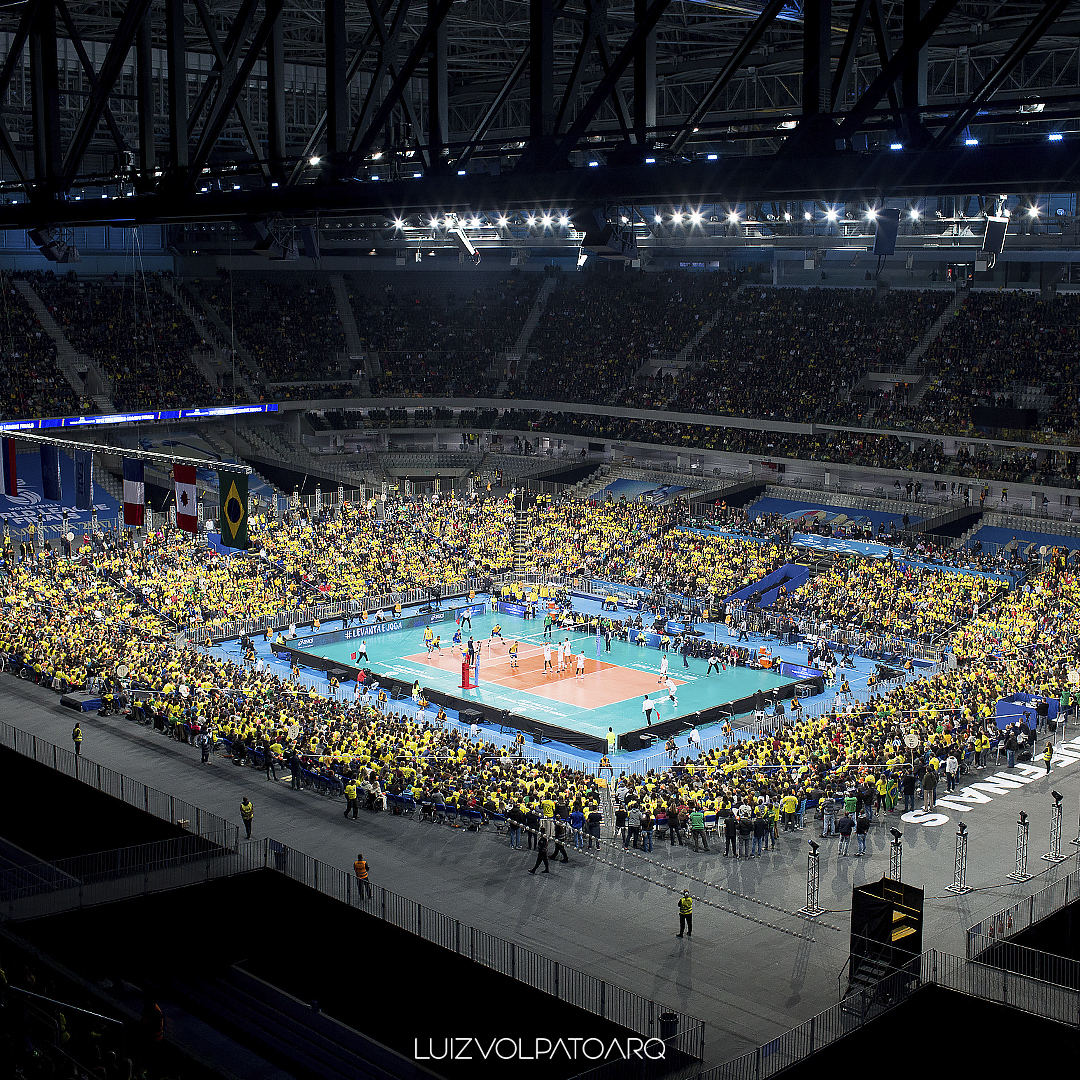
888,225
993,241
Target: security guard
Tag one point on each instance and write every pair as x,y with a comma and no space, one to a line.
360,868
350,798
76,738
1047,754
686,914
247,812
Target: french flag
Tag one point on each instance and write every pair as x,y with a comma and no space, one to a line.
9,481
134,492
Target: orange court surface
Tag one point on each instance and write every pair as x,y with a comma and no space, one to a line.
601,684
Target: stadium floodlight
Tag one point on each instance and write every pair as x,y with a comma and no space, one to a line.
1055,136
474,222
1057,796
1033,211
314,159
807,215
546,221
564,221
434,222
650,161
710,157
896,146
594,164
733,217
503,221
871,214
831,214
971,142
787,215
417,175
530,221
658,218
695,217
676,219
398,223
461,172
914,214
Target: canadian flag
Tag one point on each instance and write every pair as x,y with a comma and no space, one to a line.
187,516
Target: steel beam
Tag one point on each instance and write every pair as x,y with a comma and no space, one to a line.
992,83
727,73
644,79
393,97
113,64
229,93
610,80
541,72
817,57
225,67
144,89
14,54
829,178
908,51
438,93
913,75
847,50
177,93
496,104
88,70
337,87
275,101
45,99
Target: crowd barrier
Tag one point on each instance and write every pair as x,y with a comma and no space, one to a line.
149,868
135,793
1025,913
850,1015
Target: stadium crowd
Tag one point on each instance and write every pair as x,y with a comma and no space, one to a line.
67,620
137,333
30,383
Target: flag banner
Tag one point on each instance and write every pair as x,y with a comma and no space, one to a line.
134,492
50,473
9,483
187,506
84,479
233,489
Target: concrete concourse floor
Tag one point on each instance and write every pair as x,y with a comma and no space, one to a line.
753,968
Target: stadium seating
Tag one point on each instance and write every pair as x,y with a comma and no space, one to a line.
135,331
30,382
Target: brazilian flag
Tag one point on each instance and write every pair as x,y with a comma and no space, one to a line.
234,509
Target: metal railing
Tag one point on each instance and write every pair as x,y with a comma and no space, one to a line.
1025,913
1020,960
850,1015
115,875
135,793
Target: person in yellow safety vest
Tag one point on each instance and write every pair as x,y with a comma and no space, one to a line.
1047,754
350,798
76,738
360,868
247,812
686,914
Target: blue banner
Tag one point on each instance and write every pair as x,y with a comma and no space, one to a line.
512,609
798,671
50,473
22,509
84,479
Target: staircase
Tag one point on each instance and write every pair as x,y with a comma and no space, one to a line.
217,361
911,362
353,347
68,360
520,351
225,334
